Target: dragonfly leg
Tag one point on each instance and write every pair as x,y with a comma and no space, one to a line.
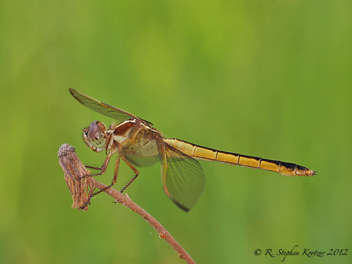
113,180
92,167
135,171
102,168
107,187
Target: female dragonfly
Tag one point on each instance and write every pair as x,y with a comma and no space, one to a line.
137,143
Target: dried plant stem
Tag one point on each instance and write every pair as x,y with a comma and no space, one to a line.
82,188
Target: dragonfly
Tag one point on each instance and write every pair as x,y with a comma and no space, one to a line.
138,144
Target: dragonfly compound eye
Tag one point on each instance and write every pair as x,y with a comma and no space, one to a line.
96,134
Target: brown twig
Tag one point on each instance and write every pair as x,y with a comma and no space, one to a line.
82,188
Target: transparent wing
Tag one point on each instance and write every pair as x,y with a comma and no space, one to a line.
143,153
182,178
102,108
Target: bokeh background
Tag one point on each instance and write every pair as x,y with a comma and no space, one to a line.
265,78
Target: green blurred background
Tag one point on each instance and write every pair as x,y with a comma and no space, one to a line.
264,78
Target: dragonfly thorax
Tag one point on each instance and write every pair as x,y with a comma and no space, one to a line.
95,136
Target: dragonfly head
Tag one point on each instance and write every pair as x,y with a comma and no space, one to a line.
95,136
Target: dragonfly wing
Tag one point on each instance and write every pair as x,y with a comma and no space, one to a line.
182,178
102,108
